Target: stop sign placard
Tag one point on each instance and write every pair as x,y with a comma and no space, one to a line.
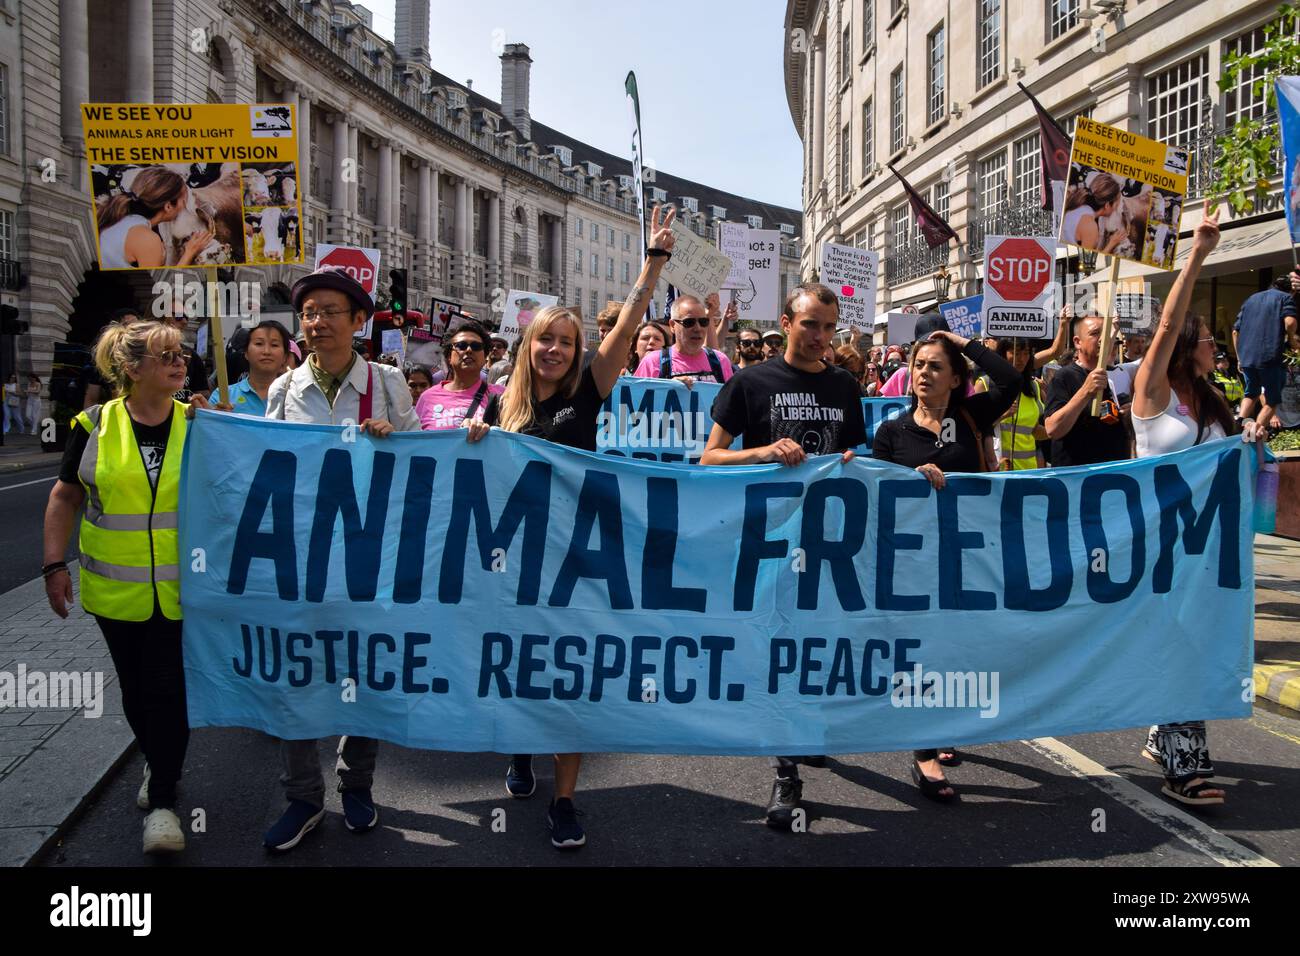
362,264
1018,269
1018,283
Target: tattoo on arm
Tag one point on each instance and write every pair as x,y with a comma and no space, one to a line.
637,293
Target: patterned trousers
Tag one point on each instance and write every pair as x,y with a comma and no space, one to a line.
1183,750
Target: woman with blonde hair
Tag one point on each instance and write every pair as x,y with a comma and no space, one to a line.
550,395
128,237
123,462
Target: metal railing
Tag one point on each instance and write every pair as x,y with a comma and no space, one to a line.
11,275
521,259
1007,218
914,260
1203,150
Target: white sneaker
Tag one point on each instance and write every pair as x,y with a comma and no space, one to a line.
142,798
162,832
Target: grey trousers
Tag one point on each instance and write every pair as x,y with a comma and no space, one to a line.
301,774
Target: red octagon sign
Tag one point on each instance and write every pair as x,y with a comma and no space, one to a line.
356,263
1019,270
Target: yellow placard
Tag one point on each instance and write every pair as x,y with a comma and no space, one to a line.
193,184
1125,194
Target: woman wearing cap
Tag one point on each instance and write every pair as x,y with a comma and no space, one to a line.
942,432
552,396
464,394
334,386
128,222
123,462
267,354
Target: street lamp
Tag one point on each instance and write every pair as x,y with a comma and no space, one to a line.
942,282
1087,261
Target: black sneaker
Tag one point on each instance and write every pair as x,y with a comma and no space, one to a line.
520,781
298,819
359,812
562,820
786,793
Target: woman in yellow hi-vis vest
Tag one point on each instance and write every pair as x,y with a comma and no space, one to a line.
123,461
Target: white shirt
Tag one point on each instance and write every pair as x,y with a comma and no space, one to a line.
1172,430
295,397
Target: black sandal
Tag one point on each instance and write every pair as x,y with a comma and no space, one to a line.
1191,795
931,789
953,761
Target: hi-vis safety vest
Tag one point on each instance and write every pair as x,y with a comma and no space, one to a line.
1016,432
129,530
1233,390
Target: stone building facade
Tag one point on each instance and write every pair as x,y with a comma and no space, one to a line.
931,87
471,195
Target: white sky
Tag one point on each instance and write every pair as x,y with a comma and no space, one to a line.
713,105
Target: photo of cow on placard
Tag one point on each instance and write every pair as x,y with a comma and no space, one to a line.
177,214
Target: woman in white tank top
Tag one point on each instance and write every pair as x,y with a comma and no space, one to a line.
1175,407
127,222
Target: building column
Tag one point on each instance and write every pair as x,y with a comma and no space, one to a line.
74,70
304,144
342,195
460,258
495,270
395,198
558,261
818,114
354,154
139,69
384,212
423,260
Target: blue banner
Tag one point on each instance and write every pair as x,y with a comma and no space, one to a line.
519,597
657,420
964,316
1288,114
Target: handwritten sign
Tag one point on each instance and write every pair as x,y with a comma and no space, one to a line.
695,267
852,273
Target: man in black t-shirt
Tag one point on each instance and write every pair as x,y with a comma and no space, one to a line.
786,409
1079,438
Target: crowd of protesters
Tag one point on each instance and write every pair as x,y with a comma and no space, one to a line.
972,406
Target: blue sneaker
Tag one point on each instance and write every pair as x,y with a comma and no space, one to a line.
359,811
562,819
298,819
520,781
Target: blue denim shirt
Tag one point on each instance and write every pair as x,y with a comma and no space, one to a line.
1261,335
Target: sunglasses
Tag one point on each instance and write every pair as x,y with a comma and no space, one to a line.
170,357
692,323
467,346
750,343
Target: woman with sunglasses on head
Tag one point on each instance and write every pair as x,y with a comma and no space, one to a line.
552,396
1175,407
944,432
464,393
123,462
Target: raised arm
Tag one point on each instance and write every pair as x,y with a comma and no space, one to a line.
1060,343
611,357
1151,389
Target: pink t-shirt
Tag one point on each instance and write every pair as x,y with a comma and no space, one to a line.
696,366
441,408
900,380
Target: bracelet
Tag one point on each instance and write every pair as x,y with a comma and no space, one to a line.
659,252
53,568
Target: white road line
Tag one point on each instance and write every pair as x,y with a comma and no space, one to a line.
24,484
1196,833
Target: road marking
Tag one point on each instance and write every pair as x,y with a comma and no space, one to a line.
1196,833
24,484
1275,733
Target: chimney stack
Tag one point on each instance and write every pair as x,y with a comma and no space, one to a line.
515,64
411,36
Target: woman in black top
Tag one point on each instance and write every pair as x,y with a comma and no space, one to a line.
941,410
550,395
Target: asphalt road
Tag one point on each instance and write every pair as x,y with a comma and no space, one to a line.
1022,804
23,495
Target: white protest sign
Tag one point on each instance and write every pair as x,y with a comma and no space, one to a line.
733,240
695,267
360,263
759,299
852,272
1018,274
390,341
520,309
900,327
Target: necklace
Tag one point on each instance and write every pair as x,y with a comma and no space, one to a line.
934,413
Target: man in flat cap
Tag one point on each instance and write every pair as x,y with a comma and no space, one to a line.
335,386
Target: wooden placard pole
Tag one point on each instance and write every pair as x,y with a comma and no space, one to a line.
1107,327
217,337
